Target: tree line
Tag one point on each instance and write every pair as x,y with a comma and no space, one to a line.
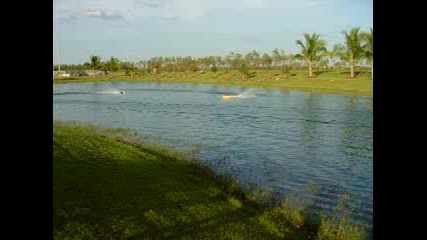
356,49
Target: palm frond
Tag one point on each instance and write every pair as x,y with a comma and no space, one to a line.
312,47
353,45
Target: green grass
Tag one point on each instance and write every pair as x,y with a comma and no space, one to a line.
324,82
107,188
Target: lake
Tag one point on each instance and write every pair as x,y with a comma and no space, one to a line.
317,147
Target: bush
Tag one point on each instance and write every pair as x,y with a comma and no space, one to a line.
214,69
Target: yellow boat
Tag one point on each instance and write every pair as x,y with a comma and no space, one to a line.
228,96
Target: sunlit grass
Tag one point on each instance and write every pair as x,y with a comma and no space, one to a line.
327,81
105,187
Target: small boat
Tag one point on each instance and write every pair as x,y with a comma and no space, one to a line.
228,96
122,92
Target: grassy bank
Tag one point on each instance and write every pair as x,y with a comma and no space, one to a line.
324,82
107,188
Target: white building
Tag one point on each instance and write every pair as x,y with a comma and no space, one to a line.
60,74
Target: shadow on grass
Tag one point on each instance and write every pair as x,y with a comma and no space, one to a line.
107,188
356,73
318,73
251,75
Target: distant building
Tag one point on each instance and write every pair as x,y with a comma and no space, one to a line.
78,73
97,72
60,74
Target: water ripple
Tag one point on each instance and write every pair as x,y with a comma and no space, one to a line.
280,140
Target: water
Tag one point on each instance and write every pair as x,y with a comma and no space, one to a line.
286,141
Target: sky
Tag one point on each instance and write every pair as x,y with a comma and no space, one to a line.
136,30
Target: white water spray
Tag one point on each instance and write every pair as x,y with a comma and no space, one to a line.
247,94
111,89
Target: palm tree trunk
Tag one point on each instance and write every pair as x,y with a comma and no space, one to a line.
351,68
310,73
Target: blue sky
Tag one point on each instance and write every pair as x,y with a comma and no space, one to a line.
135,30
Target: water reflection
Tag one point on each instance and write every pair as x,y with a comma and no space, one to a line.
310,118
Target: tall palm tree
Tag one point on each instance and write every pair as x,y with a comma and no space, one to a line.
368,47
352,51
95,62
311,50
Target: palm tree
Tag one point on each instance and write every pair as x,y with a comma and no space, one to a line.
266,60
368,47
113,64
352,51
95,62
131,70
311,50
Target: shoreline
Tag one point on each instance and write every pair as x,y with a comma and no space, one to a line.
158,193
330,82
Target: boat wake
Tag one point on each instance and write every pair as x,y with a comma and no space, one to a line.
246,95
109,88
113,91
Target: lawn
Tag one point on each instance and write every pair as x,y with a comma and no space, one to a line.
105,187
324,82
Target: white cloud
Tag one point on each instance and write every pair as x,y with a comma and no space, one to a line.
178,9
64,16
193,9
151,3
94,13
104,14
